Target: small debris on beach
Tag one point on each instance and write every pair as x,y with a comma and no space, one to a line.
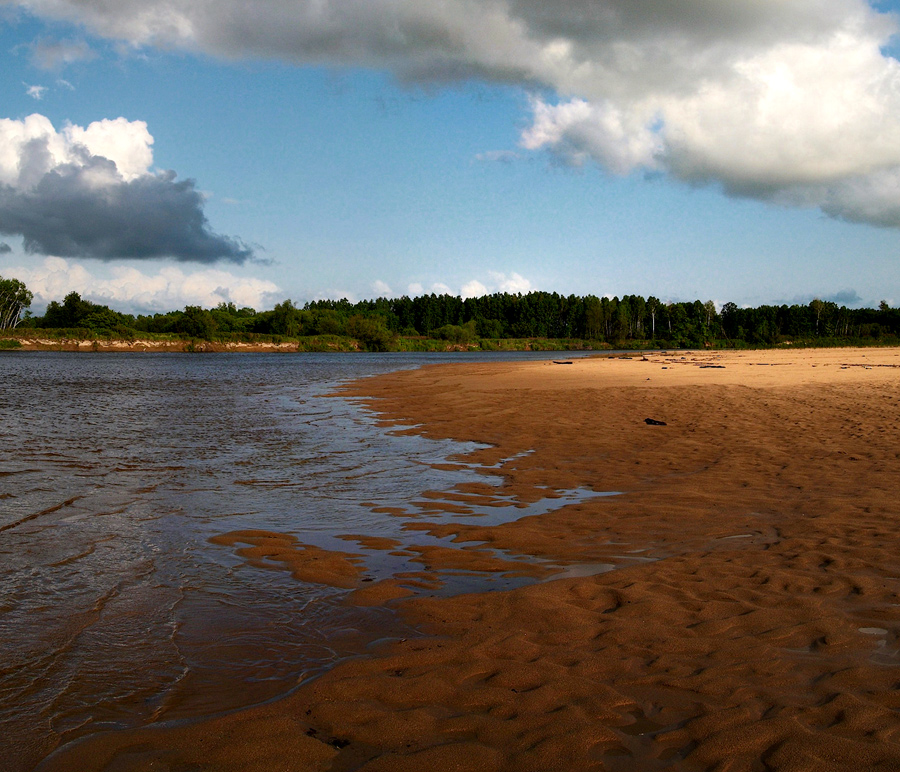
654,422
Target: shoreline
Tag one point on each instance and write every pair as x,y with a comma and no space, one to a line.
148,346
760,627
348,345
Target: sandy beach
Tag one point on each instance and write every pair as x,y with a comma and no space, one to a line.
736,607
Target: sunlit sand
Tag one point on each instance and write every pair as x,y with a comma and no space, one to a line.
750,619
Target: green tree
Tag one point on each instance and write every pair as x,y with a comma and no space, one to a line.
638,312
371,331
457,333
709,308
229,318
593,317
196,322
623,320
653,307
679,322
285,319
489,328
731,320
69,313
817,307
15,297
325,322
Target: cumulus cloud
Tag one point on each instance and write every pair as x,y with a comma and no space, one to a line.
579,131
417,289
127,288
473,289
495,281
381,288
90,192
794,102
511,282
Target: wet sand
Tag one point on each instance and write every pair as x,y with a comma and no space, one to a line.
752,621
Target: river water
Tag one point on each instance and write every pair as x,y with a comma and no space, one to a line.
115,471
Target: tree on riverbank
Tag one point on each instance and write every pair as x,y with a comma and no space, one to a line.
15,298
436,322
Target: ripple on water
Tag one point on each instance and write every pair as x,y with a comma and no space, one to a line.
115,609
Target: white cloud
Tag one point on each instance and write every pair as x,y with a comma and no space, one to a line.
473,289
495,281
126,288
128,144
794,102
35,92
511,282
381,289
89,192
580,131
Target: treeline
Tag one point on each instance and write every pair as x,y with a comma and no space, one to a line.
627,322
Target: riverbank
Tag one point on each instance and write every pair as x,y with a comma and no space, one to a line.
88,345
259,345
753,619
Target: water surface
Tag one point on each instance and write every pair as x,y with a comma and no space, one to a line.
115,609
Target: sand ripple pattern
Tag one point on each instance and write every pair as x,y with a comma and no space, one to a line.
115,608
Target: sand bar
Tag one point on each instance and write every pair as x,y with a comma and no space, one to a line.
753,622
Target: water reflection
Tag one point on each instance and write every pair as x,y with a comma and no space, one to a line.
115,609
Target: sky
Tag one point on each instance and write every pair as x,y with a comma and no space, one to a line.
162,153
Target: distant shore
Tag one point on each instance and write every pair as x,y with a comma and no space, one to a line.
342,344
314,344
752,617
145,346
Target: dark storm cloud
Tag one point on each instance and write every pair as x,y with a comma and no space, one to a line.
5,248
88,210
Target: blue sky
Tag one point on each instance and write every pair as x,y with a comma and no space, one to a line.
336,170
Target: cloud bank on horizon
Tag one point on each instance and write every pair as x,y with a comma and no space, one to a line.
790,102
140,291
90,192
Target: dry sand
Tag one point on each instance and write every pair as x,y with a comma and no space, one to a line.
753,623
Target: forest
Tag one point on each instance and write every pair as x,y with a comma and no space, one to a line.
441,322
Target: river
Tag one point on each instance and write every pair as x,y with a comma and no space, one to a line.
115,608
